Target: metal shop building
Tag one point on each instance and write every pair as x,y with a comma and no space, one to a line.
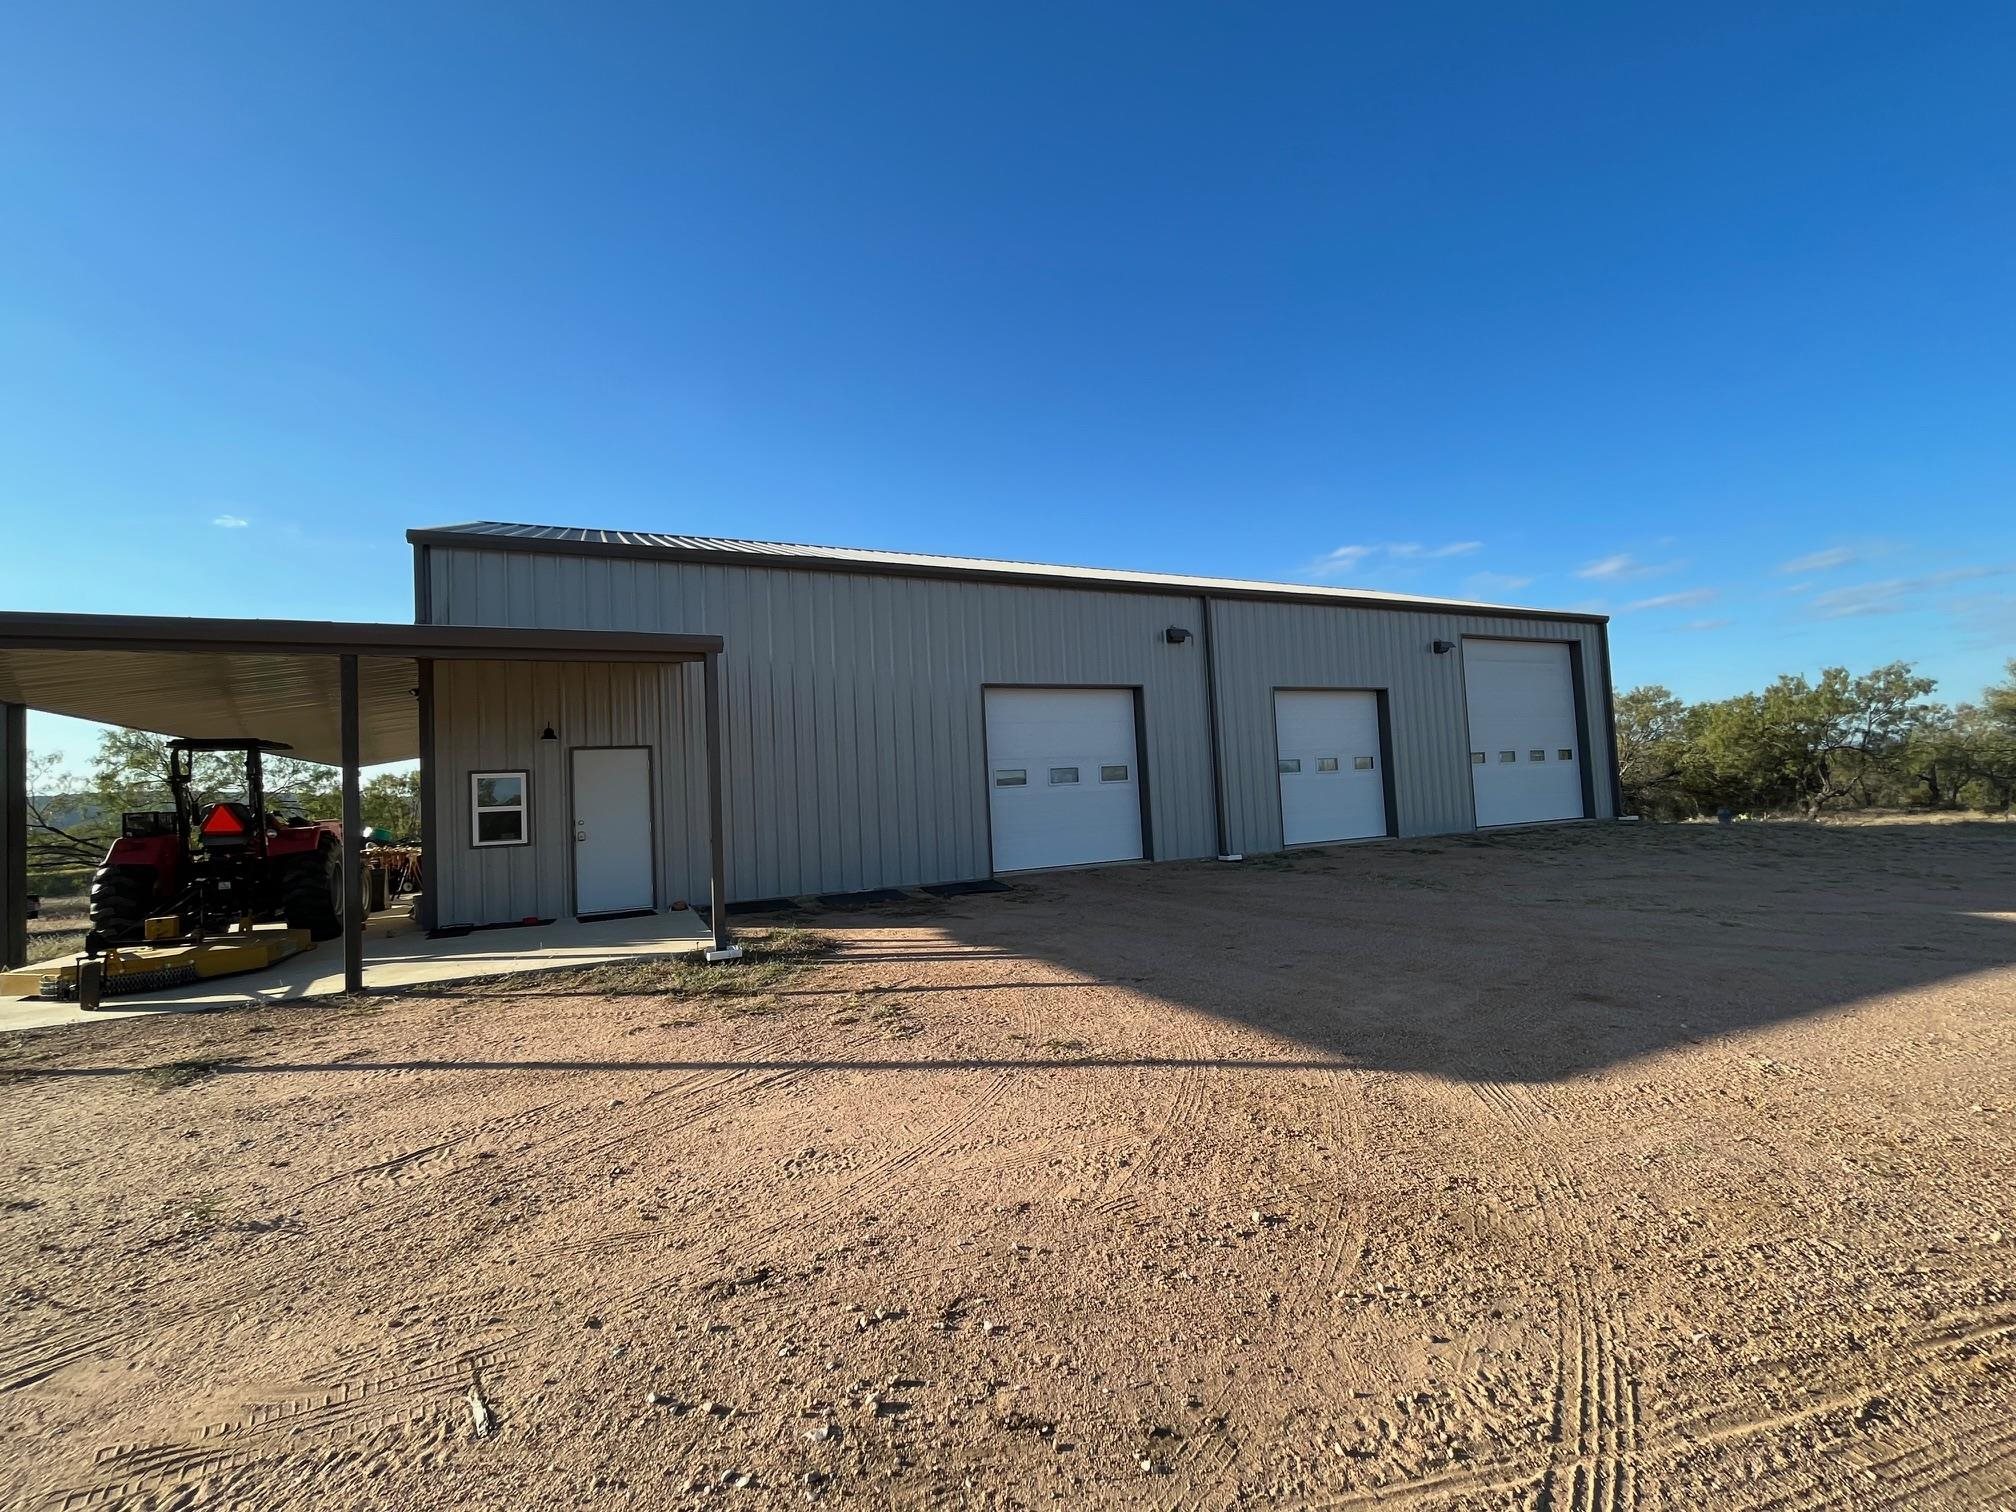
892,719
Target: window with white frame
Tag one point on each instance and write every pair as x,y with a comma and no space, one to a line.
499,809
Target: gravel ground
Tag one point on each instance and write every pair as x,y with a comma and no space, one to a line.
1590,1168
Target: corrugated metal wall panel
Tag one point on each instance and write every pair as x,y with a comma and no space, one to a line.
854,728
488,717
1263,646
854,731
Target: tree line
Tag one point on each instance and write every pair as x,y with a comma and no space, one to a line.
1842,741
72,818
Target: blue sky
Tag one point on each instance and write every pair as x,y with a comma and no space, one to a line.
1699,315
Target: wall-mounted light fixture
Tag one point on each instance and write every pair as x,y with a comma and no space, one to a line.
1443,648
1175,635
549,735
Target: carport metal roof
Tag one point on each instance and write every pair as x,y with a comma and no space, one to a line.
274,679
346,693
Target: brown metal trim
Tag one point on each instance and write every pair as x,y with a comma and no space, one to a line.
430,797
1588,776
1218,800
1610,732
423,586
717,874
13,836
1007,575
244,637
1142,795
353,831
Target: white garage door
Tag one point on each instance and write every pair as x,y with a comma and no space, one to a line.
1328,749
1525,752
1063,788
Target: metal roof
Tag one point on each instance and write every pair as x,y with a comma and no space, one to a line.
575,540
273,679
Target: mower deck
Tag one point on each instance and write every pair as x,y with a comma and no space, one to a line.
128,969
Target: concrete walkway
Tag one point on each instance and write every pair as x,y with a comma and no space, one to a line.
397,954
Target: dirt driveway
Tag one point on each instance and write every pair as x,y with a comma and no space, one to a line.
1589,1168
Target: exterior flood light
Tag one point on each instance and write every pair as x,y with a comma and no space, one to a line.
1175,635
1443,648
549,735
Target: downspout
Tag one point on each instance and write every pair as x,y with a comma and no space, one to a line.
1211,715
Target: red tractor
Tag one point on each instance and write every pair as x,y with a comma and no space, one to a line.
218,864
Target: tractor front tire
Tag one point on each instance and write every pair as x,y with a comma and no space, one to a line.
311,893
121,898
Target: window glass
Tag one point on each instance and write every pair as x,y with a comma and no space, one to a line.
499,789
1361,763
1476,758
1508,755
1567,755
1326,763
497,809
1536,755
1113,774
1291,763
1011,777
500,826
1062,775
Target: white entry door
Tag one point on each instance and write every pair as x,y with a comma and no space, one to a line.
1062,783
1327,745
612,829
1525,752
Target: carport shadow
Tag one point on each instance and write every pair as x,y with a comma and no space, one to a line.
1522,956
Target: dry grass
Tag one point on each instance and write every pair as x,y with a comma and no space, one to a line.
59,931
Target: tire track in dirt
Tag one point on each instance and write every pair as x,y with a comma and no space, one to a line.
77,1338
1906,1364
1889,1482
1675,1443
1595,1399
122,1471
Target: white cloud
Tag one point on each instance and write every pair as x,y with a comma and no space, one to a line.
1893,595
1705,624
1343,559
1350,558
1685,600
1495,582
231,521
1819,561
1622,566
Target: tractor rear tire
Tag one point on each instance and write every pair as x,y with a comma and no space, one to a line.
311,892
121,898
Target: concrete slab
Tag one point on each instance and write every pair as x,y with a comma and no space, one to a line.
398,954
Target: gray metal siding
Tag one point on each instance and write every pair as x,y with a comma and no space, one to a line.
489,716
1262,647
854,731
855,747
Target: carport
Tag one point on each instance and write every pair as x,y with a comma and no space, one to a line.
344,693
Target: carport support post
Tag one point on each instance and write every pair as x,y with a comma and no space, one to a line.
353,836
13,836
717,876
